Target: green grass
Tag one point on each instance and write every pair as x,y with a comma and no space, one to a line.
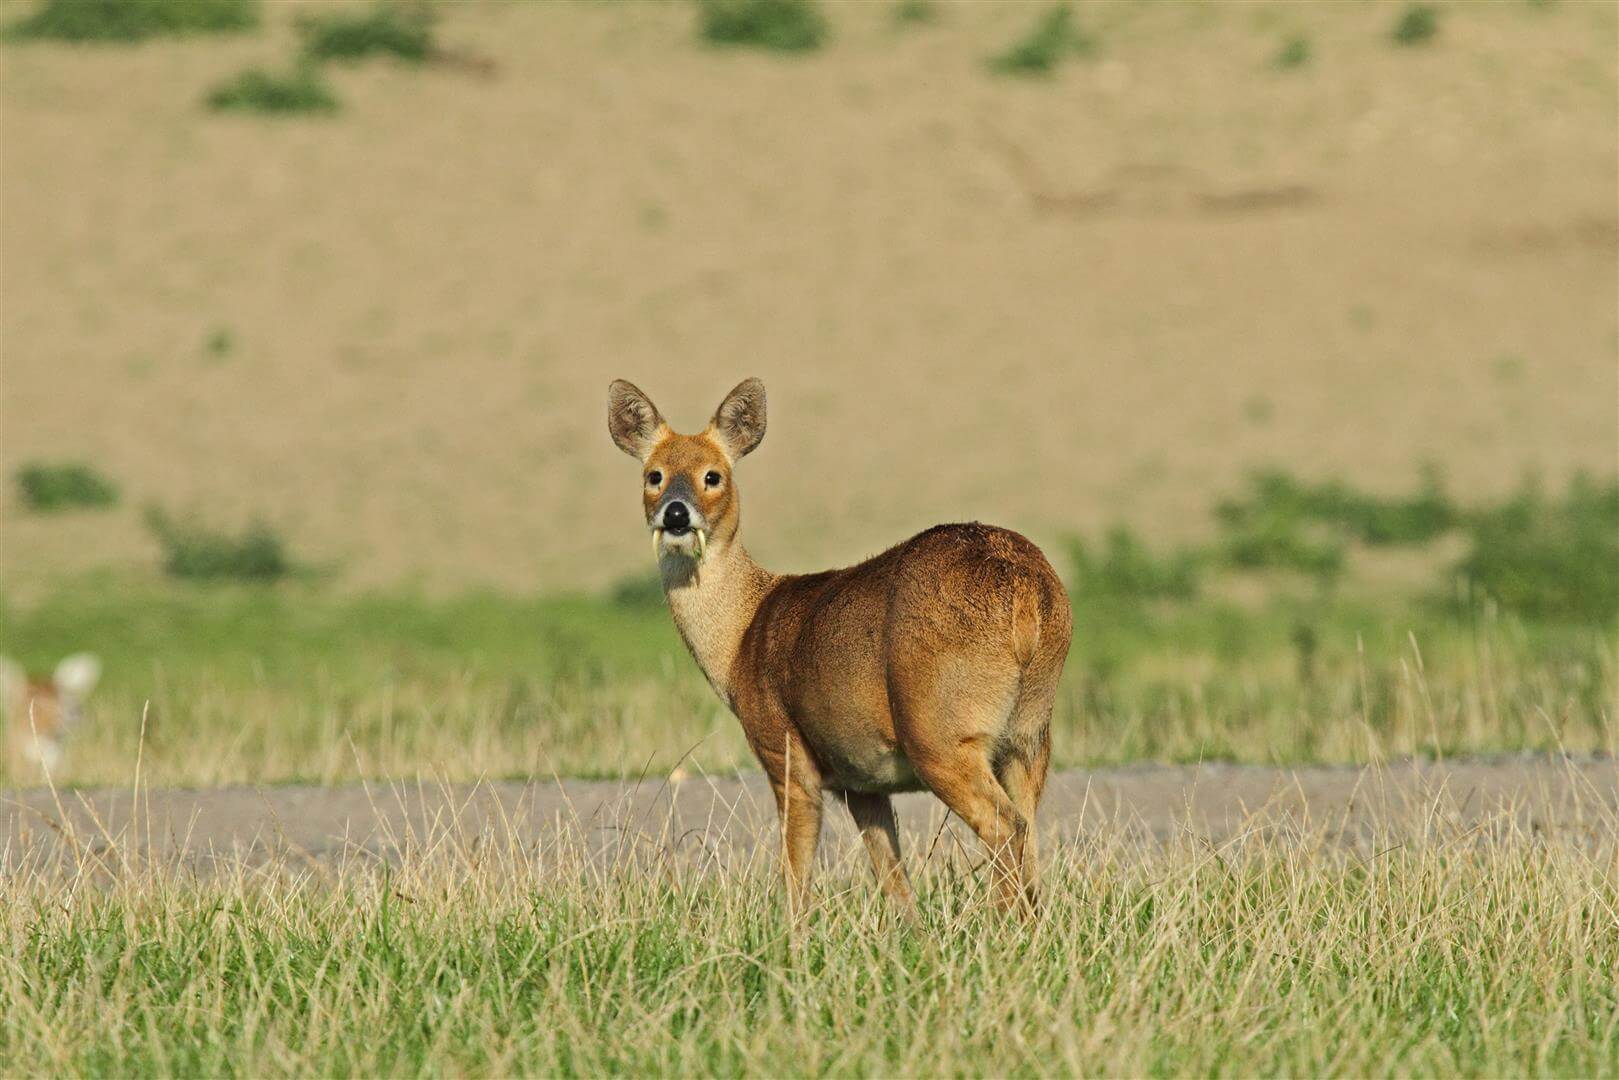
273,684
1055,36
387,29
788,26
1427,946
46,487
133,20
1208,653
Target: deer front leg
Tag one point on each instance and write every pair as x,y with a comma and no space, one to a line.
796,783
799,806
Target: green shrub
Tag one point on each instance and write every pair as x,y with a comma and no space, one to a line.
219,344
1126,569
1417,25
1294,53
198,552
1418,518
301,90
393,29
133,20
1279,497
1545,558
781,25
638,591
916,11
1281,543
63,486
1054,36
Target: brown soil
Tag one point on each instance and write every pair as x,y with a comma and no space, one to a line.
1044,303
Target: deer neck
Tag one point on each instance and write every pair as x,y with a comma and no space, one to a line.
713,603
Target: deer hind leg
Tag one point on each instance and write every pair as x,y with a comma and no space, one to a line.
967,785
1022,776
952,719
874,817
1026,754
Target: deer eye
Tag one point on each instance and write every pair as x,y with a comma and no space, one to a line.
711,478
654,478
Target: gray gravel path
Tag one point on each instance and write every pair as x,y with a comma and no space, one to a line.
734,815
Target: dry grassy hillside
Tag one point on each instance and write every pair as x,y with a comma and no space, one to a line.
1047,303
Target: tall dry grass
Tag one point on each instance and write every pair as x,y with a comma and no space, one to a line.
1423,937
332,725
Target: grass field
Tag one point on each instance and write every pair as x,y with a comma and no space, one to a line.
1321,624
246,684
1425,944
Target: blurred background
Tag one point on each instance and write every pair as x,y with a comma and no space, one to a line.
1289,331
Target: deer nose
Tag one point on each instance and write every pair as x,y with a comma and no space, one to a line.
676,518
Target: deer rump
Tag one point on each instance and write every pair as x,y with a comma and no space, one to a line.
928,643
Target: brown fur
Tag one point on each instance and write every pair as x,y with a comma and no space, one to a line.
36,706
35,722
933,665
39,712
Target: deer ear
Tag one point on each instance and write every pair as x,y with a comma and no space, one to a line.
739,422
632,419
77,675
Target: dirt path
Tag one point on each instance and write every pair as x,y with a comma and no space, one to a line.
733,814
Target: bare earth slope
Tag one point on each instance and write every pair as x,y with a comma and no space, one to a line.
1047,303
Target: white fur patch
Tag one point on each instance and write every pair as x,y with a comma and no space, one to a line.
77,675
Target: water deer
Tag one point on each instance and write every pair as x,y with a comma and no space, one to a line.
41,712
933,665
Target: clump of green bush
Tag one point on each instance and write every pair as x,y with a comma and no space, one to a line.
395,29
1274,542
133,20
638,591
779,25
1294,53
196,551
1054,36
1278,497
1552,559
1284,523
1549,558
915,12
48,487
301,90
1124,568
1417,25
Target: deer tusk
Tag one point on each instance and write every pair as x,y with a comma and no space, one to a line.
702,544
657,543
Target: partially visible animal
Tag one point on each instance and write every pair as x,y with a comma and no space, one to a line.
41,712
931,666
